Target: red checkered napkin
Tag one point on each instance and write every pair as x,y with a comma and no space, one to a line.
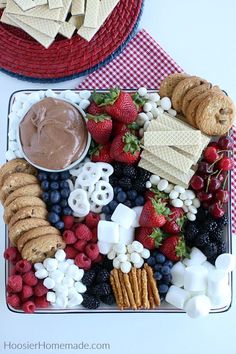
143,63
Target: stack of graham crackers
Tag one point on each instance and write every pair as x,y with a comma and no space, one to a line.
44,19
172,148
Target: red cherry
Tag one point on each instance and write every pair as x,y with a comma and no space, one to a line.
211,154
226,143
221,177
214,143
197,183
222,196
225,164
204,196
216,210
204,168
214,184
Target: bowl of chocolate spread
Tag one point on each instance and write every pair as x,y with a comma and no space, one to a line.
53,135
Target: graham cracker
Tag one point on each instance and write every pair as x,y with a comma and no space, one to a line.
29,4
78,7
91,14
67,29
105,9
77,21
172,138
55,4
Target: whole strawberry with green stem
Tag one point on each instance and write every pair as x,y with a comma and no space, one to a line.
175,221
125,148
95,109
154,213
100,153
99,127
174,248
150,238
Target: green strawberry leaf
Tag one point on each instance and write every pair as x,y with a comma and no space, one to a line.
131,143
99,118
94,149
138,100
157,234
158,194
160,207
181,249
106,98
181,221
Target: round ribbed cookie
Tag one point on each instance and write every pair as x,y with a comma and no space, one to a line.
215,114
21,226
38,249
193,105
35,233
194,92
33,190
15,181
13,166
182,88
169,83
20,203
29,212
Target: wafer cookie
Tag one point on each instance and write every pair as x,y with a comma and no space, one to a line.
91,14
172,138
30,4
55,4
78,7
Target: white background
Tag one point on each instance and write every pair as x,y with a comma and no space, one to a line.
200,35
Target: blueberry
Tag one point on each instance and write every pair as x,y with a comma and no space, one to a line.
42,176
59,225
64,175
53,217
139,201
157,267
45,185
64,184
121,197
106,209
108,217
45,197
160,258
151,261
132,195
128,203
168,263
67,211
165,270
163,288
55,197
117,190
63,203
112,205
157,275
65,193
54,185
54,176
167,278
56,209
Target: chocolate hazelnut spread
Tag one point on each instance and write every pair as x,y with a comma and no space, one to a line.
53,134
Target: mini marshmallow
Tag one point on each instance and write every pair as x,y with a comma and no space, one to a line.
130,248
116,263
126,236
63,266
41,273
85,94
145,253
148,185
192,209
163,184
225,261
177,296
208,266
10,155
80,287
166,103
104,247
160,111
50,93
135,257
38,266
111,255
172,112
61,290
108,231
154,97
147,107
179,189
70,261
72,292
71,270
195,278
183,196
154,179
142,91
119,248
196,258
84,104
68,281
76,300
139,264
49,283
122,258
61,302
217,281
137,247
123,216
138,211
60,255
198,306
18,154
125,267
50,264
57,275
177,272
51,296
78,275
72,96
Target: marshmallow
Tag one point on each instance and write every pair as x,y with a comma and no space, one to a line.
208,266
78,275
195,278
177,272
68,281
70,261
139,264
38,266
135,257
111,255
145,253
123,216
225,261
51,296
122,258
61,301
108,231
72,292
71,270
84,104
85,95
61,290
126,236
76,300
137,247
198,306
63,266
57,275
130,248
49,283
60,255
41,273
166,103
163,184
116,263
221,300
80,287
119,248
196,257
217,281
104,247
50,264
138,211
177,296
154,179
126,267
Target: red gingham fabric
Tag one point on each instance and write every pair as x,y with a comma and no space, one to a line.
143,63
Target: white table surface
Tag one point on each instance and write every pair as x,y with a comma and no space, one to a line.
200,35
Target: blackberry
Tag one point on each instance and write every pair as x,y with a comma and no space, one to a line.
210,250
209,225
118,169
125,183
201,214
139,185
130,171
217,235
223,221
101,289
108,264
202,240
113,180
102,276
221,247
143,174
108,299
89,277
191,232
90,302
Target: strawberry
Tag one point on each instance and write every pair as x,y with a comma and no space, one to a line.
176,213
171,227
175,221
100,153
154,213
174,248
118,104
119,128
125,148
149,237
99,127
139,101
95,110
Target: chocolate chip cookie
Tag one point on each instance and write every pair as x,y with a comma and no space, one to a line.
169,83
29,212
14,166
32,190
35,233
21,226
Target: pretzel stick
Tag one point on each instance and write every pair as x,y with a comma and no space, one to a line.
145,301
129,291
134,282
153,285
120,301
123,289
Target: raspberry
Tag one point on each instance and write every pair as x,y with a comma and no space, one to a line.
18,258
82,232
69,237
90,302
23,266
41,302
13,300
71,252
29,307
80,245
92,251
15,283
30,279
11,254
74,226
92,220
26,292
9,290
68,221
95,235
40,289
82,261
